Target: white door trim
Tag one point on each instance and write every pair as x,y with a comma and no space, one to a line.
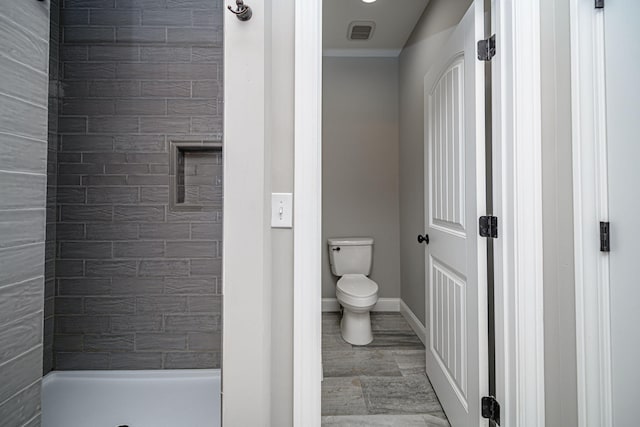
517,201
307,217
590,200
517,195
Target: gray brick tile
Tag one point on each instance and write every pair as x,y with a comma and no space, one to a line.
193,360
168,18
164,268
164,124
114,89
206,231
86,4
81,361
206,89
199,341
167,89
192,323
141,107
205,304
71,17
190,107
141,4
115,17
192,4
158,179
138,213
206,54
191,285
69,305
210,18
136,285
130,361
192,71
109,305
72,125
144,323
162,231
112,231
111,195
99,180
191,249
140,143
206,126
144,71
71,195
148,157
20,372
141,35
205,267
112,53
85,250
88,107
88,35
161,342
161,304
82,324
193,36
69,268
69,231
109,268
114,125
87,143
141,249
67,342
74,53
77,213
154,194
109,343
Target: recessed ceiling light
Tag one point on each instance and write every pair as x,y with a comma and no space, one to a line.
368,1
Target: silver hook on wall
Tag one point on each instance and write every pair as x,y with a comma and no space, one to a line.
242,12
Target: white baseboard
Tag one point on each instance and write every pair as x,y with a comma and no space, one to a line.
383,304
414,322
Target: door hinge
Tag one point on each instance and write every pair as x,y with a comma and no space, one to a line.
605,237
599,4
487,48
488,226
491,409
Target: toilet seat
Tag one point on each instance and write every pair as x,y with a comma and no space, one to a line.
357,290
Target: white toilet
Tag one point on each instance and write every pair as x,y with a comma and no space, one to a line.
351,258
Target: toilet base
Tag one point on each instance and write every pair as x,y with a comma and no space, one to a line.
355,326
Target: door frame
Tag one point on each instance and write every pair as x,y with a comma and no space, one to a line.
517,183
590,205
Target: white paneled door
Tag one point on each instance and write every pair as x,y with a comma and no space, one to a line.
622,63
456,258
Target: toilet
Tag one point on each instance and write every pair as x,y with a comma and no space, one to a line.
351,259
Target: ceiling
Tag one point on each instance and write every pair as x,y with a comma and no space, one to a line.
394,22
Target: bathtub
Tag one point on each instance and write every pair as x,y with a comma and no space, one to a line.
167,398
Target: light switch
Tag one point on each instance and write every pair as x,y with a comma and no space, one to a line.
281,210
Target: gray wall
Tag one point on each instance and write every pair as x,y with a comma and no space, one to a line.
360,163
434,27
24,41
138,284
557,202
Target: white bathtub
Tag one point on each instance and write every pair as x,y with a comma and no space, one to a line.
168,398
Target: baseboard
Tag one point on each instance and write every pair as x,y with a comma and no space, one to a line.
383,304
414,322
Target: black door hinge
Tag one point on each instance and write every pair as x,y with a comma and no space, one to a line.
599,4
491,409
487,48
605,237
488,226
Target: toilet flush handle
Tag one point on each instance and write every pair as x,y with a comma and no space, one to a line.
336,249
423,239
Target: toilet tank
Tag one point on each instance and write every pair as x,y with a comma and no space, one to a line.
351,255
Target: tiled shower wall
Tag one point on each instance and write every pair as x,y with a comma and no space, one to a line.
138,283
52,168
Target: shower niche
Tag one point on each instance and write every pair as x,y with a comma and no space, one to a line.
196,176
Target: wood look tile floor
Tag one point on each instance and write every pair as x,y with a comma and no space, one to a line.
378,385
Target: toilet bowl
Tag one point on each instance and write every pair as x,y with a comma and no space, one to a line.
357,294
351,259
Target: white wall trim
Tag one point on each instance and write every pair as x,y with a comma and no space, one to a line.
590,206
414,322
383,304
517,151
307,217
364,53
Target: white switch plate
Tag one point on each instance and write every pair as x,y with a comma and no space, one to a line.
281,210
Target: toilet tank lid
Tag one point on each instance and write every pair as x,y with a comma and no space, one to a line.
350,241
